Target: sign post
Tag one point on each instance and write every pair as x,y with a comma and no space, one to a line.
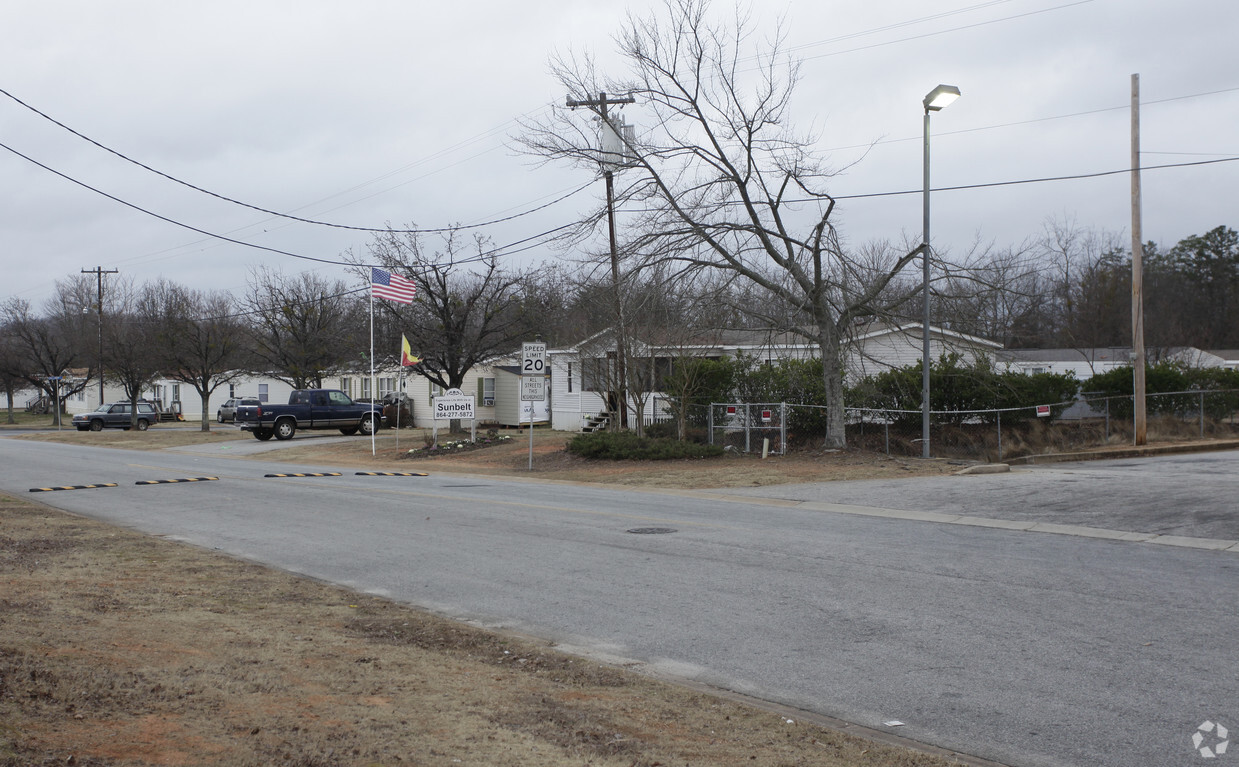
533,381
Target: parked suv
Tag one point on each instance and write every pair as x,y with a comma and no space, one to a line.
117,416
228,411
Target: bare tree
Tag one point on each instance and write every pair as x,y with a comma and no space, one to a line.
50,345
303,327
12,368
130,350
468,310
200,339
722,182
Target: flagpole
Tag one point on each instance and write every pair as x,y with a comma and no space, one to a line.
399,401
374,427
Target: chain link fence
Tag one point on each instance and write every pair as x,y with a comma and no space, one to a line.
989,435
749,426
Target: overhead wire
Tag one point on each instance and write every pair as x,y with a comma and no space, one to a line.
278,214
507,249
234,241
946,31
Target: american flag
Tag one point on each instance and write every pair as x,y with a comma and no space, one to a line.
384,284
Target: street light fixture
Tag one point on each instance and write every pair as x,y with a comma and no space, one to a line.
934,101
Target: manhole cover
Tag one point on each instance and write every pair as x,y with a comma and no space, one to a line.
652,530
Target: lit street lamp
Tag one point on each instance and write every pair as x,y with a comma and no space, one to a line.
936,99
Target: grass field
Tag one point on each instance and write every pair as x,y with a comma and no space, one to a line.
118,648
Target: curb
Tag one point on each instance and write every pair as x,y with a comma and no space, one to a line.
985,468
1131,452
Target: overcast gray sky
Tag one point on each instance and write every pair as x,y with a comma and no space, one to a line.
374,112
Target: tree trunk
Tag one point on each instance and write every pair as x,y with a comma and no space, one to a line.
832,375
206,413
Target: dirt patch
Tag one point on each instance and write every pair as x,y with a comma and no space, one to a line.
123,649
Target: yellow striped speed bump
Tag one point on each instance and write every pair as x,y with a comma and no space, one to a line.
171,481
307,474
70,487
391,474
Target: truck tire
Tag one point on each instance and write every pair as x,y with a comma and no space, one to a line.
348,431
143,424
367,425
285,428
96,425
262,434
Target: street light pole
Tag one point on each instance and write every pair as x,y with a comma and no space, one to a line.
934,101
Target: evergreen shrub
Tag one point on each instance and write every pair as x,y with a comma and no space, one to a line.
626,445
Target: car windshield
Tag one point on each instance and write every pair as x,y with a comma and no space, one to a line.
103,408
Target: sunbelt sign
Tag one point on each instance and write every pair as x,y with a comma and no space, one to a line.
454,404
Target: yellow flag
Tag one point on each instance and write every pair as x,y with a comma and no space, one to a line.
406,352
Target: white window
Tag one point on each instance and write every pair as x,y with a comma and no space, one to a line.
346,386
262,393
365,388
232,391
386,386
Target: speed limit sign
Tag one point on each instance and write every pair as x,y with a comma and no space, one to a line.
533,359
533,372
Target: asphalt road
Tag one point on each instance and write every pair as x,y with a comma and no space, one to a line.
1021,647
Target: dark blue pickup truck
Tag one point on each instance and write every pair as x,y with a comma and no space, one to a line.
310,409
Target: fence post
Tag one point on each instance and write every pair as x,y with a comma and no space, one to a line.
1107,420
783,430
748,426
710,421
1000,435
887,424
1202,415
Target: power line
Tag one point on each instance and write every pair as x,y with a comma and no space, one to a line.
289,216
945,31
965,187
225,238
1035,120
897,25
992,184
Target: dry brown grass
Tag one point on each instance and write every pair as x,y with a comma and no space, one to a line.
123,649
154,438
550,461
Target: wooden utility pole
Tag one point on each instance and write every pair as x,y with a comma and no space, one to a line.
1137,278
99,271
621,347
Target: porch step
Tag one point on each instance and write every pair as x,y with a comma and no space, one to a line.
596,423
